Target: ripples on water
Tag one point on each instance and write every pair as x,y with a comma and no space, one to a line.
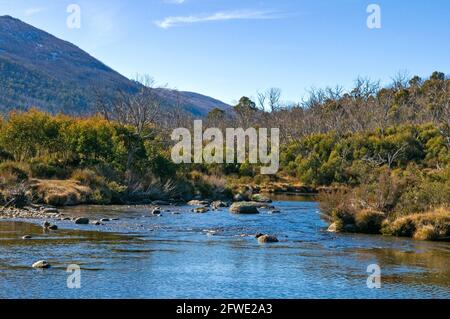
215,255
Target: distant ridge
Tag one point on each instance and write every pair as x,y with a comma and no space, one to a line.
40,70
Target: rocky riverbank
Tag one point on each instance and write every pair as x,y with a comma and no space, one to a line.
30,212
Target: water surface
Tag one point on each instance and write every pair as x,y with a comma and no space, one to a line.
215,255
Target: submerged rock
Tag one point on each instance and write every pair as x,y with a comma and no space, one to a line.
82,221
27,237
103,220
156,211
53,227
200,210
41,264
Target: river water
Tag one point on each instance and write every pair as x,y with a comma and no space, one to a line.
215,255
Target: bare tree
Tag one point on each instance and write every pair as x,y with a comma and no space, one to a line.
274,96
138,109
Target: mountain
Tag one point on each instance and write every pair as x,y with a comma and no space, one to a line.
40,70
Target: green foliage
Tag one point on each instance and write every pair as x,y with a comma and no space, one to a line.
325,159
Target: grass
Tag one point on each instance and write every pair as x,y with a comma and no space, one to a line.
433,225
60,192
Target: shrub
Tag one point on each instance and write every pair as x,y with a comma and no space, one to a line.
426,232
401,227
13,172
88,177
46,171
369,221
434,225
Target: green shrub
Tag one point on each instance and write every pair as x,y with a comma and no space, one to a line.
88,177
47,171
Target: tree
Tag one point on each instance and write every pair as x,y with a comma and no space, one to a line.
138,109
246,109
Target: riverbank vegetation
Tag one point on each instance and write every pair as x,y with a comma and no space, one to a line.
380,155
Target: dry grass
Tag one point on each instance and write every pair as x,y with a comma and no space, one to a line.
369,221
433,225
60,192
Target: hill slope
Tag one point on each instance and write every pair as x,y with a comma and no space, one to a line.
38,69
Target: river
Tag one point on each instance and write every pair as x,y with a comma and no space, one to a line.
215,255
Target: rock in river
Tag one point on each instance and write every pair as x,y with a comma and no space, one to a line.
156,211
41,264
267,239
200,210
82,221
219,204
53,227
260,198
27,237
243,208
332,228
198,203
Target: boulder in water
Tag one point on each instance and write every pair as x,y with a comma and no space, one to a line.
82,221
263,239
243,208
41,264
260,198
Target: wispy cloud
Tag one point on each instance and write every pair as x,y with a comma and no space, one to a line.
32,11
175,1
170,22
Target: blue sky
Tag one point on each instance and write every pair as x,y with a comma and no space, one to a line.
230,48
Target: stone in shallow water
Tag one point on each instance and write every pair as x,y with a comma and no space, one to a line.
53,227
260,198
332,228
243,208
41,264
198,203
27,237
201,210
267,239
82,221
